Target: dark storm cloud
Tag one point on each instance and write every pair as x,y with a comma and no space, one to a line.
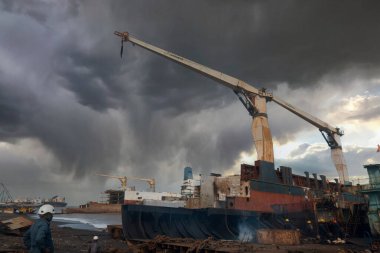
262,42
216,153
40,10
78,77
78,136
35,104
89,78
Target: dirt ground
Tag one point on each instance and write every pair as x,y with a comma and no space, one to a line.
65,239
74,240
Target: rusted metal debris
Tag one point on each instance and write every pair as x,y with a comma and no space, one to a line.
278,236
375,245
168,244
116,231
6,250
16,225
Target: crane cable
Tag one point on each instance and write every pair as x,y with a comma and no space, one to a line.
122,48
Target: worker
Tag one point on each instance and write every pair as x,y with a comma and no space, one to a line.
38,237
309,228
336,229
94,246
287,224
324,231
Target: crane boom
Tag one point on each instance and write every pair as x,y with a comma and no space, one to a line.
306,116
255,102
226,80
253,99
151,182
104,175
123,180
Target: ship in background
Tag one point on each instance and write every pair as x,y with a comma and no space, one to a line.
112,199
55,201
8,204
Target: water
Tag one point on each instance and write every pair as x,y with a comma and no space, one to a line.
86,221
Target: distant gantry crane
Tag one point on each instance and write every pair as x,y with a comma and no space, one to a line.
255,101
5,196
123,180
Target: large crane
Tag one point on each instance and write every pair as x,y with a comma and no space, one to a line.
255,101
123,180
151,182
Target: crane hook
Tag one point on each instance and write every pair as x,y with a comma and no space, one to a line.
121,49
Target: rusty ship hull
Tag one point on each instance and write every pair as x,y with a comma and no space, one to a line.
268,198
147,222
265,203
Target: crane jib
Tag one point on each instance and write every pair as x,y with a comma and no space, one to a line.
330,134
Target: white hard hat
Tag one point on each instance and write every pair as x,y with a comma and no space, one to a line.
46,209
95,237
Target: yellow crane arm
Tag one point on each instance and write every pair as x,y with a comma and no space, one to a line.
123,180
150,181
104,175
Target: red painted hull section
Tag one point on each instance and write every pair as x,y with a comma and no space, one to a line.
268,202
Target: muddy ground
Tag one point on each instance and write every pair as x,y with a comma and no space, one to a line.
74,240
65,239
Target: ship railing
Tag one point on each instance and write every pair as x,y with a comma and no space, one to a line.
371,186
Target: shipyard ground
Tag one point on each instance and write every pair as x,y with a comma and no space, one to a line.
65,240
74,240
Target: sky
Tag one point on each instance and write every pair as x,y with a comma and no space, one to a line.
70,107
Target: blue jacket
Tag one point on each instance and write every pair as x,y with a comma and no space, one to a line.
38,237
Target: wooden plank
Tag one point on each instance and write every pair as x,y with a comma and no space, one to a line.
17,223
